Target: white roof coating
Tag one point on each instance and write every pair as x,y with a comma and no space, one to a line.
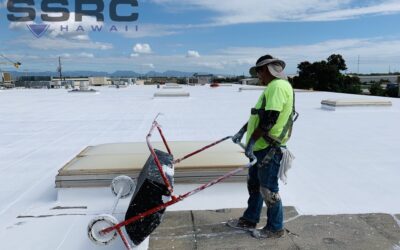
347,161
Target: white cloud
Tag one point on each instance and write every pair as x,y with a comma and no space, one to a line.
142,48
80,37
253,11
212,65
384,8
47,43
222,13
134,55
192,53
159,30
85,54
376,53
149,65
73,56
74,30
64,35
20,25
65,55
152,30
377,47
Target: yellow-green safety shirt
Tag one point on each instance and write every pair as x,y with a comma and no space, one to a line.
279,97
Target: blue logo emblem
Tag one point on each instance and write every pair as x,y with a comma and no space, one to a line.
38,29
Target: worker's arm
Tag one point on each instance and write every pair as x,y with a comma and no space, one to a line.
239,135
268,119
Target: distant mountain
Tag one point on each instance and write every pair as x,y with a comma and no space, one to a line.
84,73
171,73
119,73
122,73
20,73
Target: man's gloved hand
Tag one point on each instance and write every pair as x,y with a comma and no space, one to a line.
249,150
238,136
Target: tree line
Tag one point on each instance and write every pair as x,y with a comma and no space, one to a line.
326,75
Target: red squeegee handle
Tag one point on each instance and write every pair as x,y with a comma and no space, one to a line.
153,153
202,149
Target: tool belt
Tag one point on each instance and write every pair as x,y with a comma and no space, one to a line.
274,147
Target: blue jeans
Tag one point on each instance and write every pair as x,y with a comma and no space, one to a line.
267,177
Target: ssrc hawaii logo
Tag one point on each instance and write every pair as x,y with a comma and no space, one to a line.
57,11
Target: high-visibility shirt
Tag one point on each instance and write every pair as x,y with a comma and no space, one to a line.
278,97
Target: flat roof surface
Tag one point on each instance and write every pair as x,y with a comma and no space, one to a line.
346,161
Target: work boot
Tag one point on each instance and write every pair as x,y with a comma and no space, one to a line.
266,233
241,224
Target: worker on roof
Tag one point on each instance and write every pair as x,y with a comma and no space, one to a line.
268,129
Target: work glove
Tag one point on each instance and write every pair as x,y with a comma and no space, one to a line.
238,136
249,150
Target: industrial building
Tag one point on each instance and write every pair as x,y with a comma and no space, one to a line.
369,79
6,80
200,79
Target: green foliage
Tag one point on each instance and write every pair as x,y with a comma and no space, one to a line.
351,85
326,76
337,61
376,89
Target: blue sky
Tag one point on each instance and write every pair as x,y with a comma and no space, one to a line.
213,36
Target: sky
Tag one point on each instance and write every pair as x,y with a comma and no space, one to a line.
219,37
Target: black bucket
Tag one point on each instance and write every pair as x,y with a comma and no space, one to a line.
149,192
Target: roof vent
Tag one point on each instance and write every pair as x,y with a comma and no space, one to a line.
334,104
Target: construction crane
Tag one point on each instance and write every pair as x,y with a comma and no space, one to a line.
9,61
5,77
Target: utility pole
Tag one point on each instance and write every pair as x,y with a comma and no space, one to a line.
59,69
